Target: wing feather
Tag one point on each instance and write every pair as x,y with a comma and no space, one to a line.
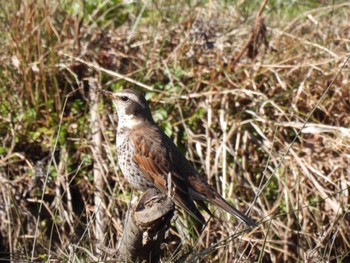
154,160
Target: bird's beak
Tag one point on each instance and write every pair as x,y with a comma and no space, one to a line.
107,93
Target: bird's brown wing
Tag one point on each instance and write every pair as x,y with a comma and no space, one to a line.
155,161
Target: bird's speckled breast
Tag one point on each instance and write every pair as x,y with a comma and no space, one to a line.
129,168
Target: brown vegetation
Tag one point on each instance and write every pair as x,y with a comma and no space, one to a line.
270,130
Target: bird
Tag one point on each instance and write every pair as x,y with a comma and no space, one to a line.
148,158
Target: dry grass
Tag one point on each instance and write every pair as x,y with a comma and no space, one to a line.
271,131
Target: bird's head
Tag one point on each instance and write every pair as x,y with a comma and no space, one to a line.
132,107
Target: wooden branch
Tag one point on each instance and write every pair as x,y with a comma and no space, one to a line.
97,170
145,227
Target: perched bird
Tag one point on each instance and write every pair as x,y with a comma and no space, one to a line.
148,158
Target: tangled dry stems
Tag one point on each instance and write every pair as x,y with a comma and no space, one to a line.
235,123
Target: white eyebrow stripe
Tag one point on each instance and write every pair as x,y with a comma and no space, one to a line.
132,97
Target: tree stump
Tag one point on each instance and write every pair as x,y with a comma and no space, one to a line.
146,224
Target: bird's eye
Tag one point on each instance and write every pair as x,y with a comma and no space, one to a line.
124,98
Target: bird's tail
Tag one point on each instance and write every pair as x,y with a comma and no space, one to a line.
221,202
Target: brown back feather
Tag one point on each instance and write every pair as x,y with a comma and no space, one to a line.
153,158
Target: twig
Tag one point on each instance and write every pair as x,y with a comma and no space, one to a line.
250,40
